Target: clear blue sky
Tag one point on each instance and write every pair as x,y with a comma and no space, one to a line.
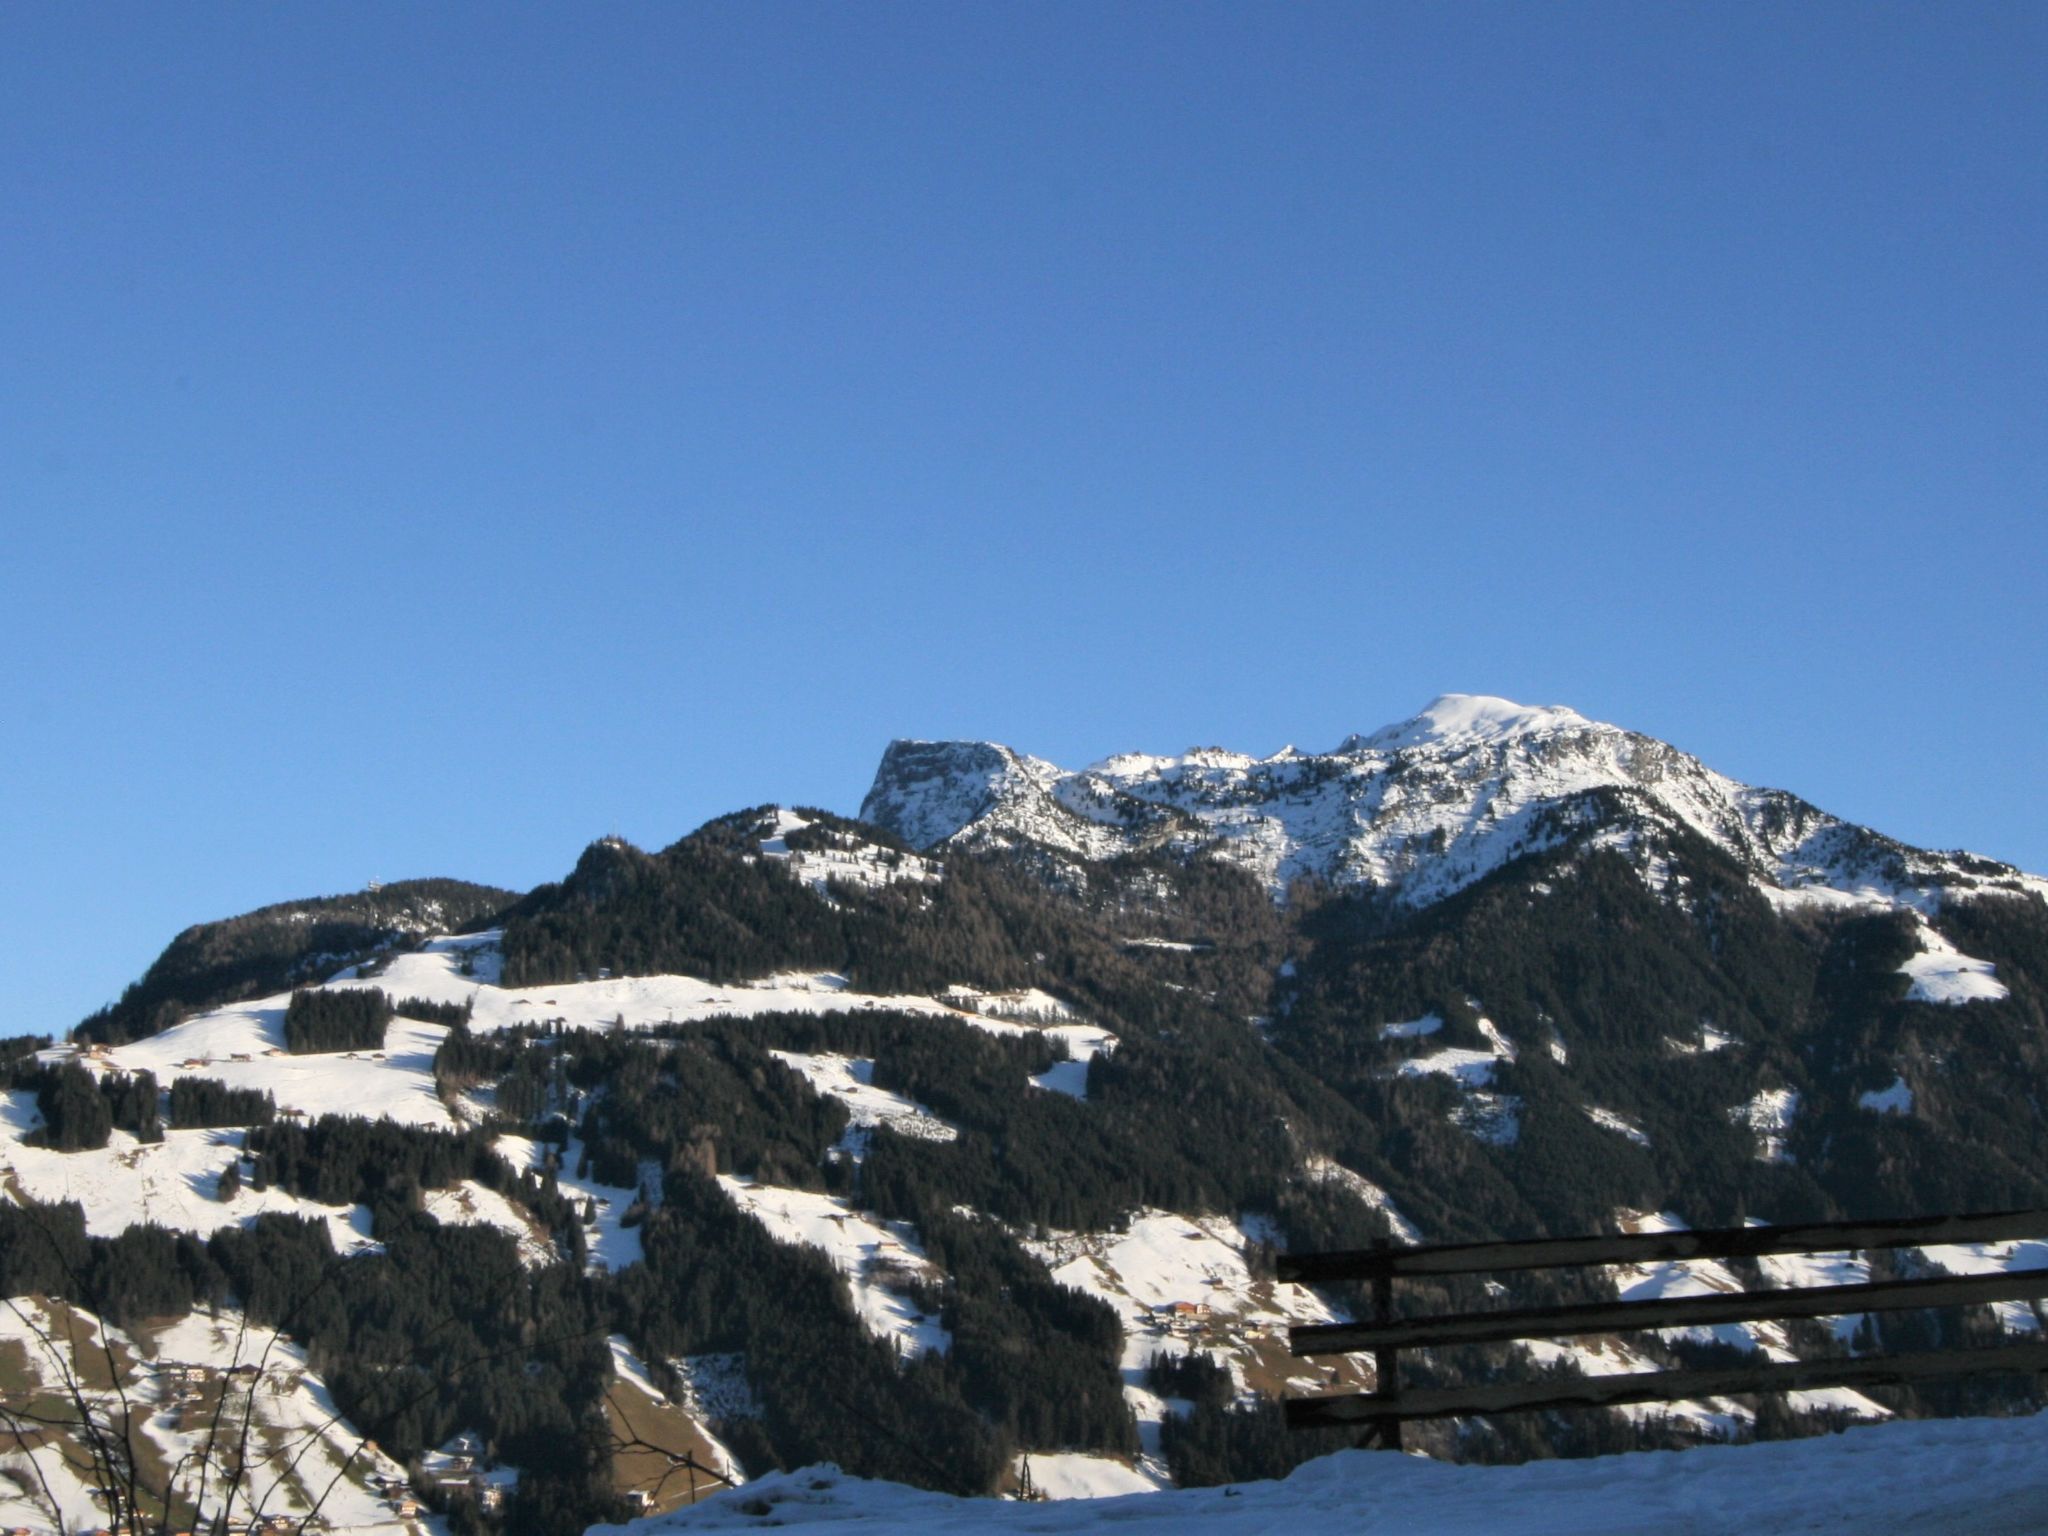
432,436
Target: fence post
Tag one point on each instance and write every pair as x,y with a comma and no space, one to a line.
1386,1369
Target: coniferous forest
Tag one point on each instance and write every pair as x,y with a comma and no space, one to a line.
316,1022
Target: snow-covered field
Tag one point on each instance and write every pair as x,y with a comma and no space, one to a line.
612,1244
1494,1118
230,1045
174,1183
1951,1477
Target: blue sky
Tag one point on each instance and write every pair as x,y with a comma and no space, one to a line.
433,436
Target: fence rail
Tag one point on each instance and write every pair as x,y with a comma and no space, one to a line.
1385,1336
1655,1247
1659,1386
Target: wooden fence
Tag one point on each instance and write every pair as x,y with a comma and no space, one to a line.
1385,1336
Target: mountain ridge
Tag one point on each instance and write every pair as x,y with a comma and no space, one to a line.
1419,809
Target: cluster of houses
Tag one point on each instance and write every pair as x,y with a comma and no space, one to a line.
456,1468
102,1054
1184,1319
184,1388
182,1381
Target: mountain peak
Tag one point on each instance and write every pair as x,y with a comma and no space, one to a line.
1420,809
1469,717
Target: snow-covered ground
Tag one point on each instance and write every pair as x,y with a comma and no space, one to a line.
1322,1170
1951,1477
1894,1100
175,1182
435,972
1494,1118
1473,1068
1078,1475
1708,1277
1412,1029
1705,1043
610,1242
471,1204
1991,1259
1030,1010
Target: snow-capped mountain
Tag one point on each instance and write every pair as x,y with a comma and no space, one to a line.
1000,1101
1421,809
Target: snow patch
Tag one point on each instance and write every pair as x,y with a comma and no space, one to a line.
609,1242
845,858
1770,1115
1942,973
1176,1283
1621,1125
1895,1100
1412,1029
472,1204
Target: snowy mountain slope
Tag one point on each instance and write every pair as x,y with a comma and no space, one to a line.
1422,808
174,1182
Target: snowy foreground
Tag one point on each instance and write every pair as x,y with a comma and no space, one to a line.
1928,1477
